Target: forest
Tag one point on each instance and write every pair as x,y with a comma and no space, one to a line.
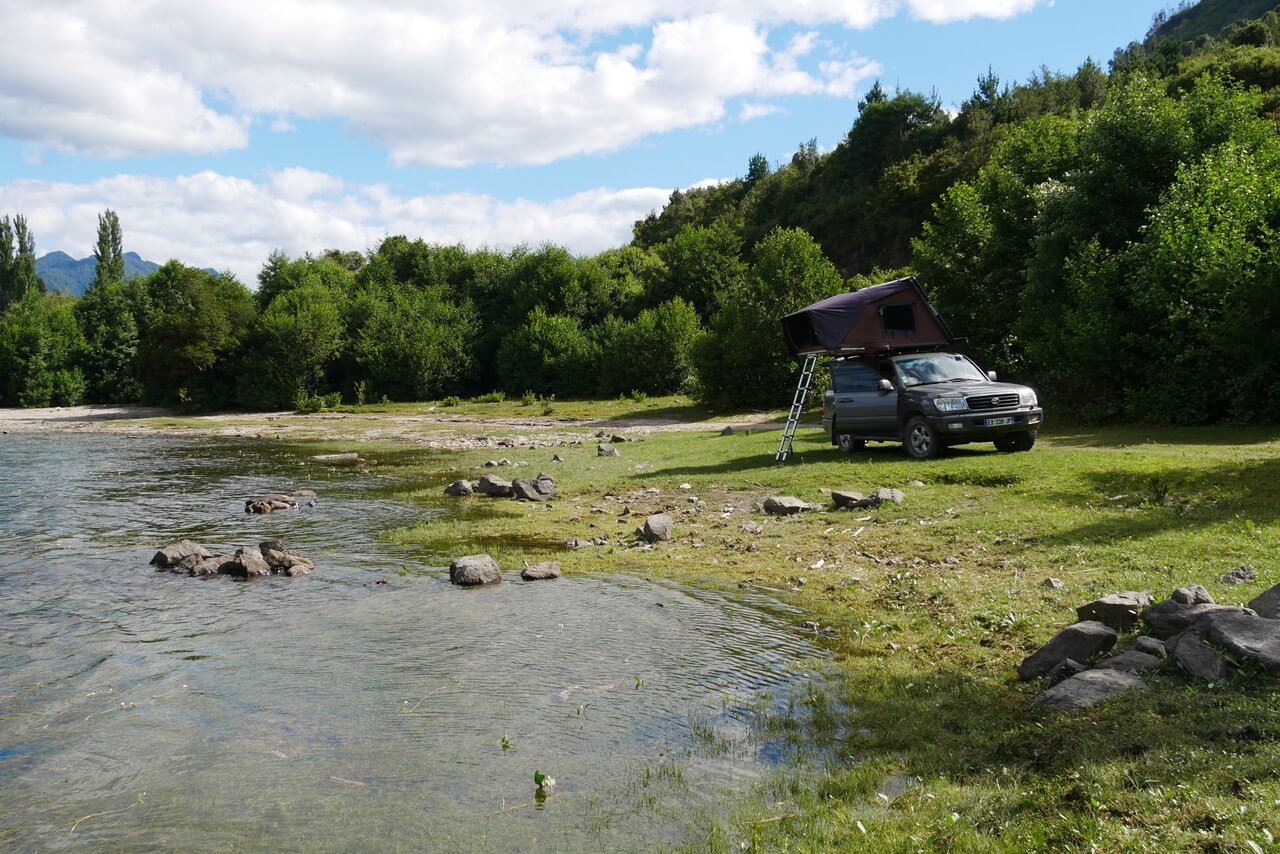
1107,236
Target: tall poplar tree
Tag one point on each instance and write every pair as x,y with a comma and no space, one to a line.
110,354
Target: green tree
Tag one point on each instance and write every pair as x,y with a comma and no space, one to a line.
293,345
652,353
17,261
39,348
108,359
548,354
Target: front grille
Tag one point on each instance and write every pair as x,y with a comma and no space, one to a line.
993,401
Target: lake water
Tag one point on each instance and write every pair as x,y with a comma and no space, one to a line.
141,710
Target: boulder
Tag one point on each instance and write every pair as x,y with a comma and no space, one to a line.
171,554
304,498
283,560
785,505
1080,642
541,571
1090,688
287,500
542,489
849,499
1198,658
1244,635
1267,603
657,528
545,484
603,450
1119,610
886,495
1064,669
459,488
257,505
1131,661
1192,594
727,431
1240,575
474,569
1151,646
209,566
495,487
1170,617
247,563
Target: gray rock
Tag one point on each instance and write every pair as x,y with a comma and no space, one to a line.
1119,610
1081,642
1192,594
1151,646
1064,669
350,458
750,528
458,488
258,506
1131,661
247,563
495,487
287,500
1198,658
886,495
784,505
209,566
727,431
541,571
849,499
474,569
170,555
1244,635
1090,688
527,490
1170,618
657,528
1267,603
1240,575
603,450
1053,583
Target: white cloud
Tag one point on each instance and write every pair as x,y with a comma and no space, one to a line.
212,220
446,84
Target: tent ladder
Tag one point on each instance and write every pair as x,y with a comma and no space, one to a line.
797,406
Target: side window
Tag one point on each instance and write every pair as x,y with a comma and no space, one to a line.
898,318
854,377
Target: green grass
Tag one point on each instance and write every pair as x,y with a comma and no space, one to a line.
924,739
933,603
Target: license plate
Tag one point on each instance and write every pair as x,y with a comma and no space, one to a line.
997,422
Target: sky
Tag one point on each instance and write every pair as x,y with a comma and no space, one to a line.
220,132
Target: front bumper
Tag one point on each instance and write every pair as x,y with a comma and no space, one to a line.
979,427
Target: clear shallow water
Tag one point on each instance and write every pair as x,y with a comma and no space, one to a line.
331,712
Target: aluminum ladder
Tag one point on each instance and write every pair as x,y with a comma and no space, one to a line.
797,407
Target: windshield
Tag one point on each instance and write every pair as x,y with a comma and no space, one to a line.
928,368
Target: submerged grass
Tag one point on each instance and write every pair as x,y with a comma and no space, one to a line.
924,739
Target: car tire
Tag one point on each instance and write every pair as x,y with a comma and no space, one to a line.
1013,442
847,444
921,441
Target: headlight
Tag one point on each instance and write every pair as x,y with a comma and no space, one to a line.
1027,398
950,404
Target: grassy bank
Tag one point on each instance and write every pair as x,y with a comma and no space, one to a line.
930,742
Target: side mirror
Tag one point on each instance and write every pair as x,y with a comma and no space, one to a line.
991,375
885,385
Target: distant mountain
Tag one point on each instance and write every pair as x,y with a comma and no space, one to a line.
1208,18
60,272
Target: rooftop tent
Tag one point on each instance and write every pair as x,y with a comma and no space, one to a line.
878,319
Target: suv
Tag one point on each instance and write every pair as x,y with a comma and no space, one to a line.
927,401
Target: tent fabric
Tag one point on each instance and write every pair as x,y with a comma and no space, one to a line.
881,318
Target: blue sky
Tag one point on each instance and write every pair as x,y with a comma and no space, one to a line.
221,133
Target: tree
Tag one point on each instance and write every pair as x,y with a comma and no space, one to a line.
291,349
665,335
39,346
17,261
548,354
108,359
109,252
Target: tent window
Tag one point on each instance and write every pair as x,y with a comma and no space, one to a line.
898,318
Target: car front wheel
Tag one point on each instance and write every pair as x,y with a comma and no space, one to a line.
1011,442
921,440
847,444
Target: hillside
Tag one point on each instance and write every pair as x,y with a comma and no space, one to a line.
1208,18
60,272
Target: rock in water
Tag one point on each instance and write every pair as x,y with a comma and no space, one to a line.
1080,642
541,571
247,563
169,556
657,528
1119,610
1088,689
474,569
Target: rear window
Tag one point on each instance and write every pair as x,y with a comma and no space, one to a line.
854,377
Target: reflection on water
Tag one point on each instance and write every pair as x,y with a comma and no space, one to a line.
332,712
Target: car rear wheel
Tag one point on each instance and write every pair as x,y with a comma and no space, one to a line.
921,440
847,444
1012,442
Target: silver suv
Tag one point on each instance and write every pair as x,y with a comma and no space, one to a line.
927,401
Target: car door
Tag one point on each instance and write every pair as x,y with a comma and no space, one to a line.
861,406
